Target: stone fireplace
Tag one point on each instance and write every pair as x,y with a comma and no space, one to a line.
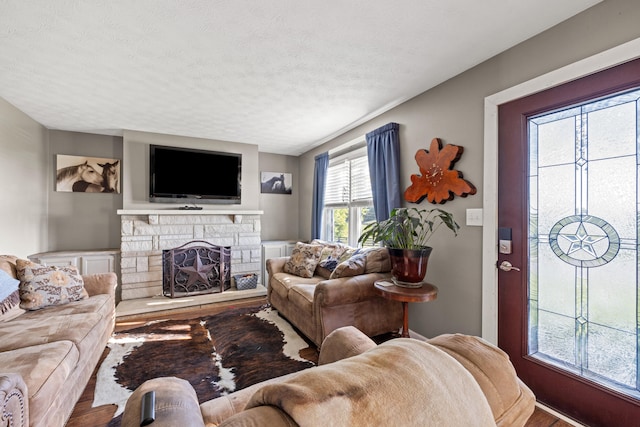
146,234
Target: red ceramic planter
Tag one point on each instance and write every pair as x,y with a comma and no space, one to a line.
409,266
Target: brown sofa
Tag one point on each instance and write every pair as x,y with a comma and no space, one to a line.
320,304
451,380
48,355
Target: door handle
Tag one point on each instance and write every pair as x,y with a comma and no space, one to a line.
506,266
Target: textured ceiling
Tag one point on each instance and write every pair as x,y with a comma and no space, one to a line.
286,75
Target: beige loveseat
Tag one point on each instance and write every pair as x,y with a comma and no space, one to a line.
451,380
48,355
331,298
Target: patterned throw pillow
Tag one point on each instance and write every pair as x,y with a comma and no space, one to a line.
347,254
303,260
9,297
329,257
41,286
354,266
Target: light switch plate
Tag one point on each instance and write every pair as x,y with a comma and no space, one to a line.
474,217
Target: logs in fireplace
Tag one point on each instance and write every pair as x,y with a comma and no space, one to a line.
196,268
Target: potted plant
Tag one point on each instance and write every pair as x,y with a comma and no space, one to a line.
405,234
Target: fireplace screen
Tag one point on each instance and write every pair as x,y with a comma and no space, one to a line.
196,268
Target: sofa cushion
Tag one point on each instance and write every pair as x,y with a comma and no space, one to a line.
9,297
101,304
41,286
302,297
29,330
303,260
45,369
281,283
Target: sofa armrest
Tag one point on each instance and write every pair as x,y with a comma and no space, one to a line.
276,265
343,343
103,283
511,401
347,290
176,404
15,403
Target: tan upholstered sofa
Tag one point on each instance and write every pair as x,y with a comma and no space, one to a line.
331,298
48,355
451,380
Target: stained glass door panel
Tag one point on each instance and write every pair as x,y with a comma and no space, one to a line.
583,268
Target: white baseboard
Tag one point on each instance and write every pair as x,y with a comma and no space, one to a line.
559,415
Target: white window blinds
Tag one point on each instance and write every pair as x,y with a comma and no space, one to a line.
360,182
348,181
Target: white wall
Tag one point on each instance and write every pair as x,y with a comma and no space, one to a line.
454,112
23,183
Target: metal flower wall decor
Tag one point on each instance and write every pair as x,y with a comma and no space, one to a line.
438,181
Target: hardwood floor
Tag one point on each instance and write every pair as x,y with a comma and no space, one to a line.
540,418
84,415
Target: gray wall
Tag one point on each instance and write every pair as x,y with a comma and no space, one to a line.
35,218
280,218
135,177
23,183
454,112
79,221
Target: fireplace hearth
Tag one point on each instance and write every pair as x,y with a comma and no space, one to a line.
195,268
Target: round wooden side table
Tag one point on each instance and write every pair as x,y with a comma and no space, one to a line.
388,290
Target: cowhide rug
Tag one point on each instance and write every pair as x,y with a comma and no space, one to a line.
217,354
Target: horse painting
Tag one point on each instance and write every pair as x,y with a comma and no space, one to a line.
275,184
67,177
88,174
110,176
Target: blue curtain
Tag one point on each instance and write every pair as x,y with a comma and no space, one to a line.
319,182
383,152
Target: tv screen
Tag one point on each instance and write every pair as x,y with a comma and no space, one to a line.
181,175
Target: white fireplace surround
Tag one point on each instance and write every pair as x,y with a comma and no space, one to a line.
146,233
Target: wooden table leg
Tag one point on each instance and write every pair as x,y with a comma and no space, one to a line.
405,320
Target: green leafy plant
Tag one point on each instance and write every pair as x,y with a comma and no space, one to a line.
408,228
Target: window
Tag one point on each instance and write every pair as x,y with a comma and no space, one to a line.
583,292
348,204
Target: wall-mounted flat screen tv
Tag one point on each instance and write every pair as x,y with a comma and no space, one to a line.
186,175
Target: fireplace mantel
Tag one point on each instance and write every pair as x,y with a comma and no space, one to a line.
154,212
187,212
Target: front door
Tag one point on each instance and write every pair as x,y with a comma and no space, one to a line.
569,318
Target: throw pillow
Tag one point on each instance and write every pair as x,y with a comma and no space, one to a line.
329,259
347,254
378,260
41,286
9,297
354,266
303,260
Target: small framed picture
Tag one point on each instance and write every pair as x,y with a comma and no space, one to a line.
275,182
87,174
